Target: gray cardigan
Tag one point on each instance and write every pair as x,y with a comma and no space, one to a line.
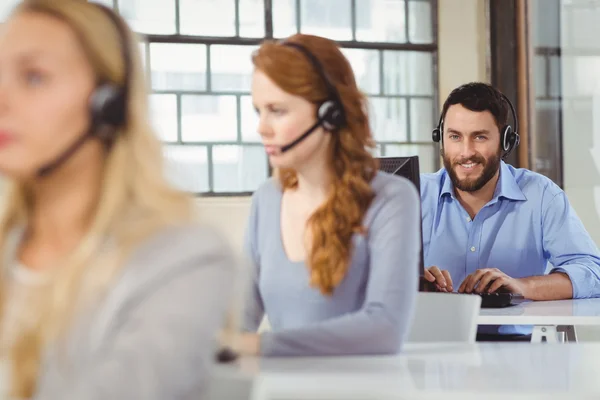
152,336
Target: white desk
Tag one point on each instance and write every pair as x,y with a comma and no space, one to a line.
547,316
440,371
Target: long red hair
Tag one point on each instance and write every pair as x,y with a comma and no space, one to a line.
351,165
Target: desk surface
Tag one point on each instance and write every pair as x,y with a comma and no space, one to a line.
448,370
561,312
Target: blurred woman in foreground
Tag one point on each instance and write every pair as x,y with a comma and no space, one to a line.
109,289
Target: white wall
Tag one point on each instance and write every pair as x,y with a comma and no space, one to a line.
229,215
462,39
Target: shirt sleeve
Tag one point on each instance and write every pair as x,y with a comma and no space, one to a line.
253,305
569,247
381,324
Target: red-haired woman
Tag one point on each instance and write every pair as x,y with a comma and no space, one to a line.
334,243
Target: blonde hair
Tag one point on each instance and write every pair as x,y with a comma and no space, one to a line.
135,199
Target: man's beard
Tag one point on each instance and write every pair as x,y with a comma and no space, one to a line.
490,167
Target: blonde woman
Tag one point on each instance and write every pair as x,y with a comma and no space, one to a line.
108,288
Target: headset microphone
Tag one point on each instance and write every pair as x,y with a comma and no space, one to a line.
108,104
53,165
301,138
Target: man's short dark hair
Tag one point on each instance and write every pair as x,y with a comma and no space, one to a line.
479,97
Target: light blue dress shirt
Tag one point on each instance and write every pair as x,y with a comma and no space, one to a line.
528,228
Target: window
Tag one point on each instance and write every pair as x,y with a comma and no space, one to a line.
548,101
6,7
197,55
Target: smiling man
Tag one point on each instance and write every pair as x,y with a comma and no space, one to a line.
488,226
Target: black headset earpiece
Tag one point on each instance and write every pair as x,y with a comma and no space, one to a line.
108,102
107,106
436,134
505,138
331,115
510,138
331,111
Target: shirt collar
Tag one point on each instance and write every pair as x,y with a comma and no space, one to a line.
507,187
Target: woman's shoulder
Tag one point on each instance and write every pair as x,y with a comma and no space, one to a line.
395,197
268,191
265,199
393,187
180,249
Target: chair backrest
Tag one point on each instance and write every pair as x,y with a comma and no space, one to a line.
445,317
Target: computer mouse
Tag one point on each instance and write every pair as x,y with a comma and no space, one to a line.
501,289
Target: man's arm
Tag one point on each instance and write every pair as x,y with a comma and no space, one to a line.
555,286
571,251
567,246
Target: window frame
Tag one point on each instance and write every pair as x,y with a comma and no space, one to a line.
380,47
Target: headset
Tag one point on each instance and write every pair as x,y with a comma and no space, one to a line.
107,104
509,137
330,113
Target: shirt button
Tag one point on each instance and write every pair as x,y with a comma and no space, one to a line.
468,219
473,248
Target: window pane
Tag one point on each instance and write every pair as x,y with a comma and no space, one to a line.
142,47
149,16
207,17
249,121
208,118
580,25
330,19
284,18
546,21
377,151
6,6
419,22
407,72
109,3
421,120
252,18
163,112
554,89
178,66
426,154
231,67
187,167
381,21
547,160
388,119
539,74
365,64
239,168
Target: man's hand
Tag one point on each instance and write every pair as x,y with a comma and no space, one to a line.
490,280
441,278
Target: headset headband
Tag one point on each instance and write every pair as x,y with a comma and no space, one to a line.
331,90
